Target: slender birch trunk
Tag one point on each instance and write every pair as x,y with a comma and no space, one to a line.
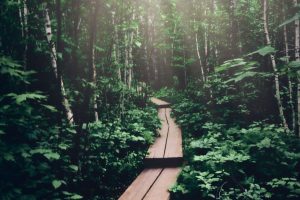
290,85
115,46
23,14
205,68
199,57
53,55
130,55
126,61
21,17
154,51
297,58
214,8
185,71
95,105
93,33
146,47
234,33
274,66
196,27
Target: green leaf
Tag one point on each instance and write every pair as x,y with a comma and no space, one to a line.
265,143
26,96
231,64
52,156
71,130
76,196
63,146
242,76
8,157
285,58
74,167
297,16
138,44
56,183
84,126
50,108
294,64
264,51
60,55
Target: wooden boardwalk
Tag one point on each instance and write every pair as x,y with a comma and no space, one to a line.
162,165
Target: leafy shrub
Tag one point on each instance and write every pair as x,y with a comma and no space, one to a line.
259,162
37,152
169,94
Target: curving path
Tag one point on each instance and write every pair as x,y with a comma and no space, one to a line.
162,164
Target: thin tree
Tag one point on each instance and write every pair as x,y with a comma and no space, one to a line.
297,58
53,55
92,40
290,85
23,14
196,30
274,66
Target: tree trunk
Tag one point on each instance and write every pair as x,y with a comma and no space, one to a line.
199,57
92,41
130,55
126,57
205,43
234,29
53,55
290,85
297,58
274,66
115,46
23,14
215,43
145,24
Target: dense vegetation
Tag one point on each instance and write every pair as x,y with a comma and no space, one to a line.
76,77
104,156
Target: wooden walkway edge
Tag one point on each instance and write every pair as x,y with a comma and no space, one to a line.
162,164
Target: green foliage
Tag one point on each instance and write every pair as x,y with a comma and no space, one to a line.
264,51
114,154
259,162
22,127
169,94
288,21
191,115
59,158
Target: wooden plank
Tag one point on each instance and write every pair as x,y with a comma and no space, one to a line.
159,191
160,103
164,157
141,185
157,149
174,142
163,162
167,145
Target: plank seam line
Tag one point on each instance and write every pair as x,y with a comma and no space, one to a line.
166,143
153,183
163,155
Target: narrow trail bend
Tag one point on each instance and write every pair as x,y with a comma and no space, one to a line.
162,164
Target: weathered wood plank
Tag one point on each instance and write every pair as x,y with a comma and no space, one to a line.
164,157
157,149
160,189
174,142
160,103
167,145
163,162
141,185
